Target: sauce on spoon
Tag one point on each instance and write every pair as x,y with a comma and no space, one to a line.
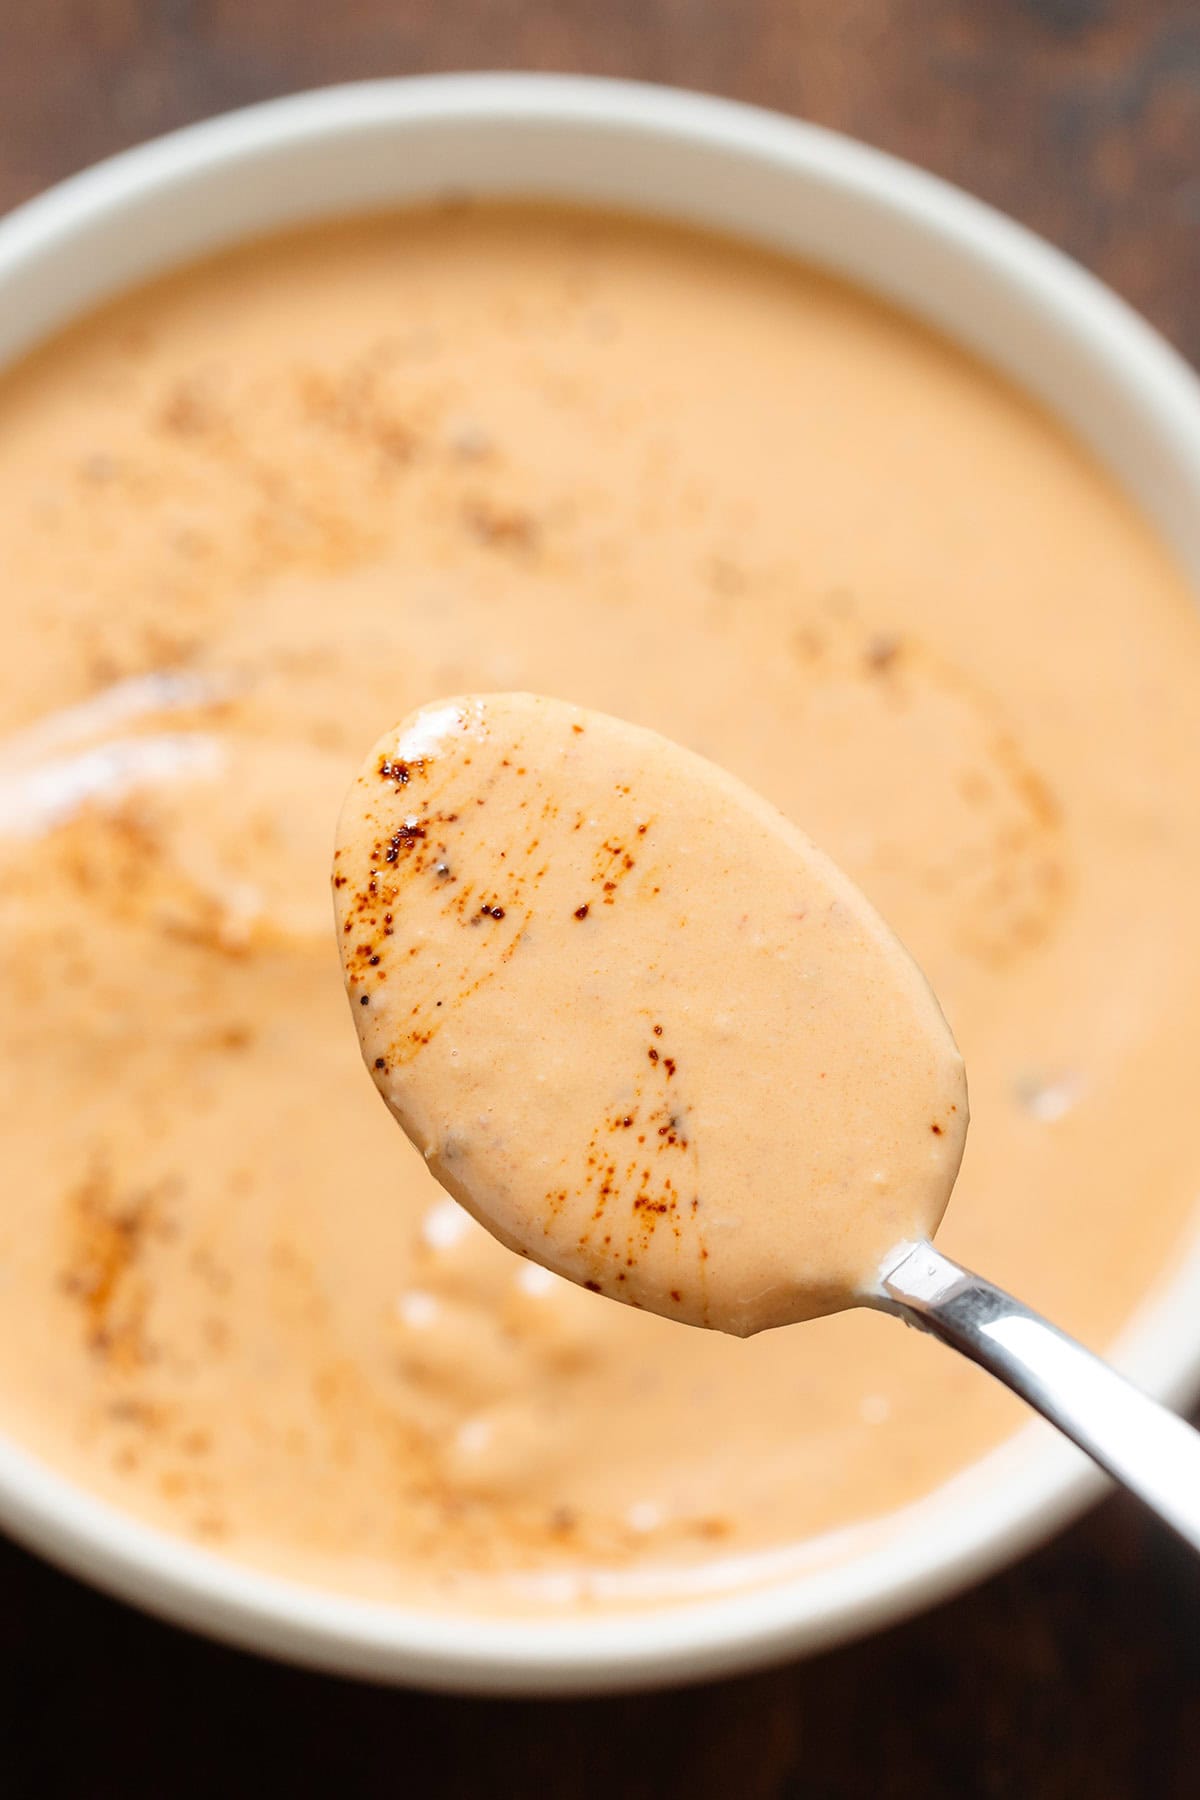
637,1023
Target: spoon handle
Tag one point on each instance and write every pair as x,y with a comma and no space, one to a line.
1147,1449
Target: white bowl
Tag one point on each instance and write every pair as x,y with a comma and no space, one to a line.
985,282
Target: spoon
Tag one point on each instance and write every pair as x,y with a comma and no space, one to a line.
654,1039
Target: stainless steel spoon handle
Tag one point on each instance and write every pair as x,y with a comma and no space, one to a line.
1144,1446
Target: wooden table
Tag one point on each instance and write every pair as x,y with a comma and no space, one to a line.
1076,1674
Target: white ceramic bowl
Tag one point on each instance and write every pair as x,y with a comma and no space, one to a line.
981,279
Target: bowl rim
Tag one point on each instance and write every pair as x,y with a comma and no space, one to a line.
1003,1504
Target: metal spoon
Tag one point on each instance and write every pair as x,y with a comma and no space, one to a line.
445,791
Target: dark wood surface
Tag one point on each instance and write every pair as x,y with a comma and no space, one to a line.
1076,1673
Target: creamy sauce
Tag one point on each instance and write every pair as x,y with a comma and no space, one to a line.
262,507
635,1021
